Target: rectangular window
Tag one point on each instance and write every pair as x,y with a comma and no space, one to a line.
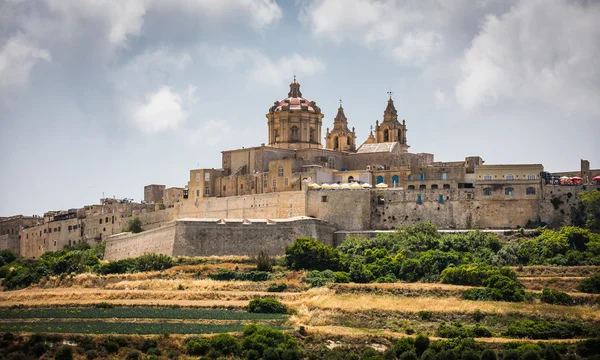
441,200
54,243
531,177
198,177
274,183
197,192
70,228
100,222
324,198
241,186
224,188
421,176
59,229
286,181
265,182
444,176
487,177
206,176
206,191
419,199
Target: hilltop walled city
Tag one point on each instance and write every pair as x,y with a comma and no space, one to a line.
266,196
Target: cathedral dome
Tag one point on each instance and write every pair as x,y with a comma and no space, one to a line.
295,102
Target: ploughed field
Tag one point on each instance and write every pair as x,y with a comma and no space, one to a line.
184,300
414,293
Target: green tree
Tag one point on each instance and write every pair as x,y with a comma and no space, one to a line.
591,201
135,225
310,254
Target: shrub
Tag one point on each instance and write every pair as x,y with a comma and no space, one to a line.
310,254
91,354
550,296
543,329
264,262
498,288
457,330
197,346
135,225
7,256
316,278
225,275
279,287
154,262
425,314
590,285
359,273
65,352
267,305
421,344
474,275
148,344
488,354
132,355
408,355
404,345
111,347
225,344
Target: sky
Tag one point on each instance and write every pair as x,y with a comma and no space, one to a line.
106,96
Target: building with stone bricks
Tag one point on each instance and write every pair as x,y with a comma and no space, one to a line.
306,182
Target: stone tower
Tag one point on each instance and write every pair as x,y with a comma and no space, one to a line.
391,130
340,138
295,122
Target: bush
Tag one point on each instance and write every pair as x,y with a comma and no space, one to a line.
111,347
590,285
488,354
154,262
148,344
197,346
225,344
543,329
7,256
310,254
498,288
225,275
279,287
65,352
474,275
457,330
132,355
135,225
421,344
404,345
264,262
91,354
359,273
550,296
268,305
257,341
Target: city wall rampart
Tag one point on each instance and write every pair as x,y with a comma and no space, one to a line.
127,245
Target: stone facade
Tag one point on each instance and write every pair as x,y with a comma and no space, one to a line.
208,237
153,194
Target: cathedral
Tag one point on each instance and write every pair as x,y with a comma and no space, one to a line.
295,155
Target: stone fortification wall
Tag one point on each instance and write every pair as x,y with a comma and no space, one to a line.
345,209
208,237
127,245
10,242
558,202
261,206
201,237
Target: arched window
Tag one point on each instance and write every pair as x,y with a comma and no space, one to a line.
312,134
411,187
331,163
350,179
422,187
395,180
509,191
399,138
530,191
510,177
386,135
487,192
446,186
348,140
531,177
487,177
295,135
434,187
379,179
280,171
335,143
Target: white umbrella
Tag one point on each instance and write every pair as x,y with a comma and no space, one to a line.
345,186
366,186
381,185
314,186
325,186
355,186
335,186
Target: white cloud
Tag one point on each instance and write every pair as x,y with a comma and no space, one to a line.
17,58
212,132
535,52
162,110
440,97
417,47
261,68
268,71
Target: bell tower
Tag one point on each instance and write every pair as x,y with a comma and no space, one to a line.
340,138
391,130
